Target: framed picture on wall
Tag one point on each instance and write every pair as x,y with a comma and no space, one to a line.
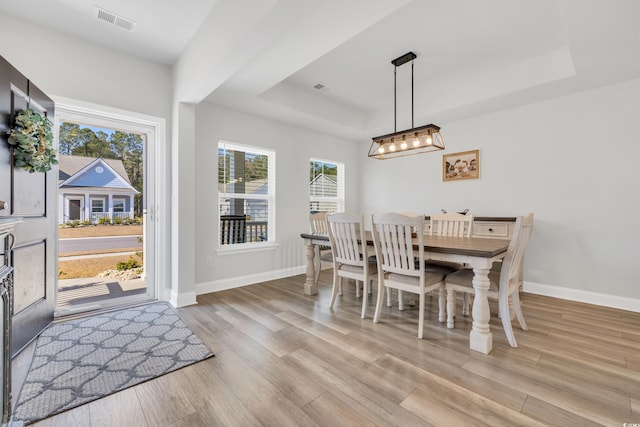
463,165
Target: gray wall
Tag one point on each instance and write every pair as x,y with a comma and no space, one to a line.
294,148
572,161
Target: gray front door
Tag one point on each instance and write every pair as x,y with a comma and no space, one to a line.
31,196
74,209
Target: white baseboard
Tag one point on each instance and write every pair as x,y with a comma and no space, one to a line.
595,298
183,299
577,295
238,281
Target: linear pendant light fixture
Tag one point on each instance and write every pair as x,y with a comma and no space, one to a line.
411,141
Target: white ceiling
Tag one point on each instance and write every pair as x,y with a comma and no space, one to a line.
474,56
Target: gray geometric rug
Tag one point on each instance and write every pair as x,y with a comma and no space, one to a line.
85,359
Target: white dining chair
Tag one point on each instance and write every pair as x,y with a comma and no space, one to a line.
397,266
350,257
318,225
504,285
451,224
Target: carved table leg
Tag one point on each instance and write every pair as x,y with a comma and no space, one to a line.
310,287
480,338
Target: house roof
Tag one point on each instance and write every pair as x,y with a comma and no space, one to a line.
254,186
71,165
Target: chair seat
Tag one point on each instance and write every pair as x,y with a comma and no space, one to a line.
351,268
430,278
464,278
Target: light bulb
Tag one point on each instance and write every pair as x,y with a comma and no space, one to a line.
416,142
403,145
392,147
429,140
381,149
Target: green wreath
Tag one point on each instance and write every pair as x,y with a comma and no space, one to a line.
32,141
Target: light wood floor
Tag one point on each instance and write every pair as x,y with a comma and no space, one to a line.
283,359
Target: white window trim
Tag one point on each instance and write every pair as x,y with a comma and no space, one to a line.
101,199
117,200
340,197
271,243
239,248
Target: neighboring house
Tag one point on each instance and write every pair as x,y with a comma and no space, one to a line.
256,210
93,188
323,190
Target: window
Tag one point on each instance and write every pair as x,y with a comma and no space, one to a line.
118,205
97,205
246,188
326,186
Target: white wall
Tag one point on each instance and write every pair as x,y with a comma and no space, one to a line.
294,147
73,68
572,161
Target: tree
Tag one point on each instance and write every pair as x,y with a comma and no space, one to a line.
68,138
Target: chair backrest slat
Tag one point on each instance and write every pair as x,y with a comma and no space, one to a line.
451,224
346,234
393,238
318,223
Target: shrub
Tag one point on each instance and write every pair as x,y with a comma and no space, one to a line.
128,265
104,220
117,220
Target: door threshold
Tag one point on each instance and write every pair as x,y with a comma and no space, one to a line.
81,312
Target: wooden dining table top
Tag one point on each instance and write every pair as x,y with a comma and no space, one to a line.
470,246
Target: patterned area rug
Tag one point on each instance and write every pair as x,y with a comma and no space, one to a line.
85,359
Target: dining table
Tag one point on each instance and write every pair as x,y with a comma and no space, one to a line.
477,252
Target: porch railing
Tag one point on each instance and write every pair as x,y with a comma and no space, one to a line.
236,229
102,217
256,231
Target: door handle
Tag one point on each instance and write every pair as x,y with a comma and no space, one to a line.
3,205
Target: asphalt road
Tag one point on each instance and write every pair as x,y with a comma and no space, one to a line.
97,243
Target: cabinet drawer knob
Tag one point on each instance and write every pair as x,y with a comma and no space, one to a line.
491,229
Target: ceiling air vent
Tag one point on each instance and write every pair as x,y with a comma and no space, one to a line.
113,19
321,87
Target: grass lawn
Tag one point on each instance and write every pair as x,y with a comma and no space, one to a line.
99,231
90,267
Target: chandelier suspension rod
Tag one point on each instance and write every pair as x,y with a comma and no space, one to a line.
412,126
395,100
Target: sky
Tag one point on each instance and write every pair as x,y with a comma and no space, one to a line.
98,129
